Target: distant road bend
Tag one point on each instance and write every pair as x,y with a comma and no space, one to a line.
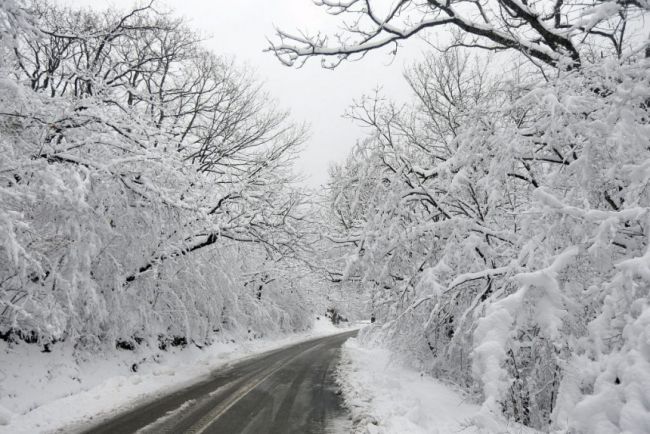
288,390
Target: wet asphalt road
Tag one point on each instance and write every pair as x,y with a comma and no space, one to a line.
289,390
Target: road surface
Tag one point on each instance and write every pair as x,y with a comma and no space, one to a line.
289,390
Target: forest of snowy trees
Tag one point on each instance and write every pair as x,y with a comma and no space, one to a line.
500,222
497,225
145,183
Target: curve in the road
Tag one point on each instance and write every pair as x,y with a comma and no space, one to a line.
289,390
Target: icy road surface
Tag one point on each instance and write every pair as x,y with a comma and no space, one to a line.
289,390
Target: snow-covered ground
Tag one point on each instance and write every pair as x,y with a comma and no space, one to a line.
49,392
386,398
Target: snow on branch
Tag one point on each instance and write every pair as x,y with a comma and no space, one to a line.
549,35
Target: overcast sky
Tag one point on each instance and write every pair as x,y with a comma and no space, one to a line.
314,95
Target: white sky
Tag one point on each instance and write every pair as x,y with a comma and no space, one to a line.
313,94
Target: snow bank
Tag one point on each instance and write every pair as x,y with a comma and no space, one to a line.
385,398
46,392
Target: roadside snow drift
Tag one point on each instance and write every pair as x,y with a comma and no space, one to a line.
46,392
388,399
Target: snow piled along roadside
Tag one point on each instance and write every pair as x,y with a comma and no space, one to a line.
385,398
48,392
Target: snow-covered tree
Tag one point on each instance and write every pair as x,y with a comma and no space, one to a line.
143,180
495,247
499,222
556,33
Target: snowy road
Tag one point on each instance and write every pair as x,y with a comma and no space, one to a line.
282,391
